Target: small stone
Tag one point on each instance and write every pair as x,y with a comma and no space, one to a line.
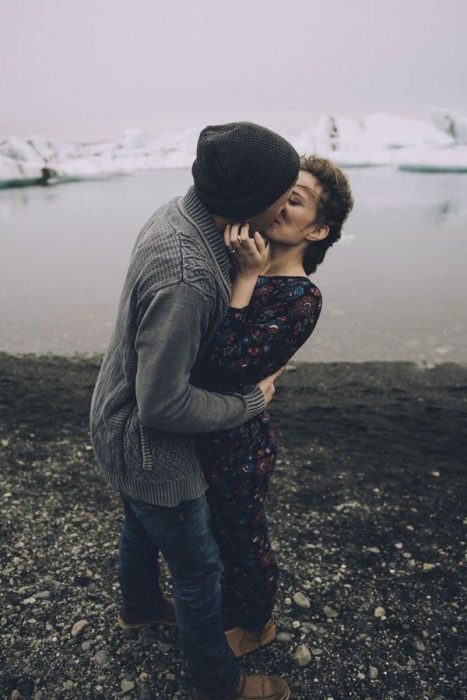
296,624
435,473
373,673
42,595
361,676
380,612
143,676
316,651
79,627
101,657
330,612
67,685
39,695
302,601
374,550
16,695
127,686
86,645
399,545
302,656
428,567
418,645
284,636
29,601
424,634
288,601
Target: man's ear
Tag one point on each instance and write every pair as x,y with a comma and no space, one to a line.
318,234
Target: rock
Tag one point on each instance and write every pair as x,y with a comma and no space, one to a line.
302,656
374,550
316,651
373,673
127,686
29,601
380,612
79,627
418,645
86,645
302,601
101,657
284,636
42,595
296,624
330,612
426,567
16,695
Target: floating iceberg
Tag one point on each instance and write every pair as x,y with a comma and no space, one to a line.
376,140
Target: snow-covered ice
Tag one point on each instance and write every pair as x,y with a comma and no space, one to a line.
377,140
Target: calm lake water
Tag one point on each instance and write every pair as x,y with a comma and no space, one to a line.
394,287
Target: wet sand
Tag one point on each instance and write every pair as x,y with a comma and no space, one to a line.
367,511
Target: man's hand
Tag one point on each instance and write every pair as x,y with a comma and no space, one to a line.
267,385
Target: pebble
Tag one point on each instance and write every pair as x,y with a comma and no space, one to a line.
284,636
101,657
296,624
399,545
302,601
42,595
79,627
330,612
426,567
86,645
127,686
373,673
16,695
29,601
380,612
302,656
418,645
316,651
374,550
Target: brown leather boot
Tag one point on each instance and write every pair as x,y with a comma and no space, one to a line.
243,642
166,616
256,688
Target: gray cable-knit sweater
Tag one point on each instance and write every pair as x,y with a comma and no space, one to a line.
148,401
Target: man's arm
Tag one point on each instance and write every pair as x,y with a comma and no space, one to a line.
167,343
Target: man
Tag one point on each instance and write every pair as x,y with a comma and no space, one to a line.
148,403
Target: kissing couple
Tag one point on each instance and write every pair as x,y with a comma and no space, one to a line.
216,301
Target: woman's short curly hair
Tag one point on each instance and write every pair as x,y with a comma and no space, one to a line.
333,207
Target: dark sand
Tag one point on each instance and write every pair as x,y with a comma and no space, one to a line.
367,510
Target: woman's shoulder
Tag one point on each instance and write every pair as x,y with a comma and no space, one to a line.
287,286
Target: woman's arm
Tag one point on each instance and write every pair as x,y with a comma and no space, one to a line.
250,259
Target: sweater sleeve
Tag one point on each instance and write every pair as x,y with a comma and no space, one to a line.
167,344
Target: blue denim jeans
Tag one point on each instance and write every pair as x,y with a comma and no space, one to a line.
183,536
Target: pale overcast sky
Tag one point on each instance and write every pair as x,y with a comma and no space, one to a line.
91,68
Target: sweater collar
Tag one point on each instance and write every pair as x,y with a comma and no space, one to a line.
195,210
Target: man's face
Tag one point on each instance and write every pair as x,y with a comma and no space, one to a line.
261,221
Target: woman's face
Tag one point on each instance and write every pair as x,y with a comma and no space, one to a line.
295,222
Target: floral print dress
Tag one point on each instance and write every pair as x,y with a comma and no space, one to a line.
250,344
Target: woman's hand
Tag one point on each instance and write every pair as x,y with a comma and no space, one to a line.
250,255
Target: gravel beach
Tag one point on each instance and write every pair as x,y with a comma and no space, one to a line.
367,515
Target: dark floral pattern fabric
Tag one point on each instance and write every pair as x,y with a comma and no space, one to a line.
250,344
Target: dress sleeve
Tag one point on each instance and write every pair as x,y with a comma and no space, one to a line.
253,342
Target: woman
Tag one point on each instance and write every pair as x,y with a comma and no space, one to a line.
274,308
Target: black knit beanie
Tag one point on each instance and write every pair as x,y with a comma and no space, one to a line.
242,168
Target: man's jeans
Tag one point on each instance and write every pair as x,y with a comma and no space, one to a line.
183,536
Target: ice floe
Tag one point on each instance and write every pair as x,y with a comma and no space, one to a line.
439,145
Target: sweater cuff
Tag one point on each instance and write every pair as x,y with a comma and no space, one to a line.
255,402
